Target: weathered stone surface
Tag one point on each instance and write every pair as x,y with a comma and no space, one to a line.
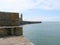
3,32
11,31
18,31
9,19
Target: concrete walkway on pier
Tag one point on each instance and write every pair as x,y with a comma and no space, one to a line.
15,40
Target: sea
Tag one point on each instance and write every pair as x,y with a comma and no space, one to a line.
45,33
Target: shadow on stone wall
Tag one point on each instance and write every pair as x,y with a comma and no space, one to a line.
17,31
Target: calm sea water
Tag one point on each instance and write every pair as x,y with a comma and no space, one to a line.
46,33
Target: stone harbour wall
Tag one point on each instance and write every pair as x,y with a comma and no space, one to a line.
11,31
9,19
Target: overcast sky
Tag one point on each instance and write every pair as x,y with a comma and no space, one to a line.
34,10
